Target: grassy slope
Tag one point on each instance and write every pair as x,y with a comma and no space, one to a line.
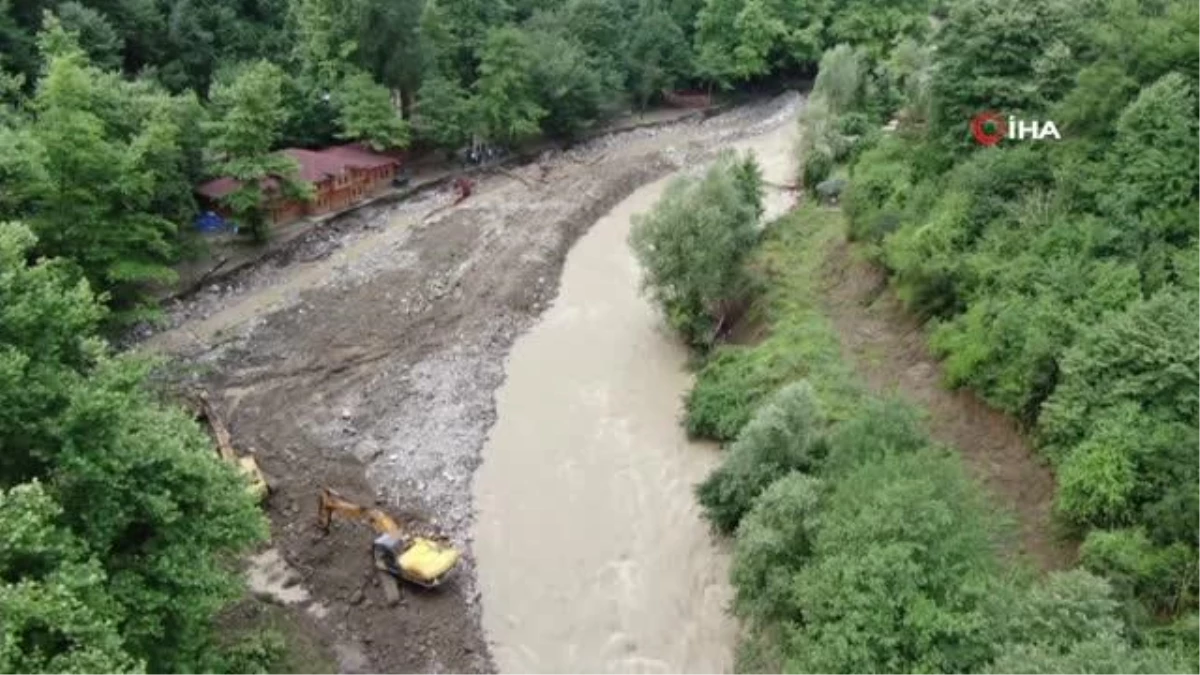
800,342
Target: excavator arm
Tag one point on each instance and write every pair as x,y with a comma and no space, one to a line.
331,503
423,560
259,487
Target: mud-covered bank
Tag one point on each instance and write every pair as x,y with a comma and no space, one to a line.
371,366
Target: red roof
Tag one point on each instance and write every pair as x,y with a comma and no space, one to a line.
315,166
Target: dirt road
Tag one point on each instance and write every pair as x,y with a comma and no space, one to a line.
593,556
366,359
886,344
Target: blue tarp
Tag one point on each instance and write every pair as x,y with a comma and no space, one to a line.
211,222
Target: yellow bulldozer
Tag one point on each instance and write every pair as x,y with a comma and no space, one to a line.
257,484
422,559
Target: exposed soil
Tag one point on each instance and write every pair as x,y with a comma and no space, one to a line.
366,357
887,346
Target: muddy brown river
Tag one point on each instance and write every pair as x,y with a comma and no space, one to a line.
591,552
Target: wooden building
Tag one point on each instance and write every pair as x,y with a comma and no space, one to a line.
340,176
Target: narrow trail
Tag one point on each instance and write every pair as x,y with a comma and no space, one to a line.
887,347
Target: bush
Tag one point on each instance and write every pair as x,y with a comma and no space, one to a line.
902,575
262,652
1097,480
876,197
732,382
839,78
801,344
880,428
1064,609
818,164
774,541
784,435
854,124
1163,576
1104,653
693,247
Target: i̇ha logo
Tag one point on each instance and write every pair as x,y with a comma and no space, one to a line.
989,128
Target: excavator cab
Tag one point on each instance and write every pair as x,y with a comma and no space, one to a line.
421,561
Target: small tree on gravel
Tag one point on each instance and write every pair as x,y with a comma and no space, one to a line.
693,246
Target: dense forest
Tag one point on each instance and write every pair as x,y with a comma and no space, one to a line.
113,110
1058,279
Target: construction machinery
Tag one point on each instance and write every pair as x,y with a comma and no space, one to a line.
422,559
257,486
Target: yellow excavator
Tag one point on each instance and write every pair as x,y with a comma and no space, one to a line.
425,560
257,480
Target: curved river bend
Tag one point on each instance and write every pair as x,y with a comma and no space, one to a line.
591,553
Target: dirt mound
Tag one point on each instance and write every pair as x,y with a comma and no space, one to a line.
887,346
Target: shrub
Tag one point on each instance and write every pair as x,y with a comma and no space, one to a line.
1096,481
880,428
1163,576
693,246
1064,609
731,383
839,78
1104,653
818,164
902,573
1127,394
874,201
784,435
800,345
774,541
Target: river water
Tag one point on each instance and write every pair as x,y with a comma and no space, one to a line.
591,552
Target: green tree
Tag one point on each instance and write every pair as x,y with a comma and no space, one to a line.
1155,174
569,83
658,54
248,114
457,35
96,35
1103,653
902,576
443,112
775,541
146,516
505,104
987,51
875,27
785,434
366,113
738,40
389,45
100,162
56,615
693,247
324,41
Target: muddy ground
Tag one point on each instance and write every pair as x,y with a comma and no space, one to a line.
365,357
887,346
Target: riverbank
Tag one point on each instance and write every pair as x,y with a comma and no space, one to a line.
366,361
910,488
